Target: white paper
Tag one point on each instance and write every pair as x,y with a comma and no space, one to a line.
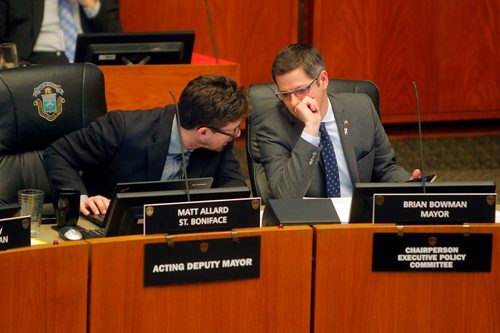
343,207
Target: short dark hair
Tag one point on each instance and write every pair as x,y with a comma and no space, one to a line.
212,100
298,55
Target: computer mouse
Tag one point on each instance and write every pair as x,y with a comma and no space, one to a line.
70,233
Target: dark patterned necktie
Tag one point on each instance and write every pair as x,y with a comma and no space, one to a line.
69,28
330,163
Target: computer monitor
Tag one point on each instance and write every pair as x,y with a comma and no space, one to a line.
125,211
149,186
362,197
132,48
164,185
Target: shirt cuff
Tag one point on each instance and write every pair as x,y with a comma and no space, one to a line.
314,140
92,12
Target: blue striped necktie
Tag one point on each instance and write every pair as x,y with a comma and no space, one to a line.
69,28
178,166
173,166
330,162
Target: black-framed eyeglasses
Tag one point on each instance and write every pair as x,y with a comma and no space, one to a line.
299,92
234,135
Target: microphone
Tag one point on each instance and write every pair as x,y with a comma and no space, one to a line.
212,34
420,140
183,149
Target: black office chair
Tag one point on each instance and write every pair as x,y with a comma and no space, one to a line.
263,101
38,105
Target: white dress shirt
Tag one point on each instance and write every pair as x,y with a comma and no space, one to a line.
333,131
50,38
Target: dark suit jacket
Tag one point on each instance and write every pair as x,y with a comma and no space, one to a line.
21,20
293,166
127,146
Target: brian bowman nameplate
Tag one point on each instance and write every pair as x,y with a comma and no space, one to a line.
432,208
201,216
443,252
201,260
14,232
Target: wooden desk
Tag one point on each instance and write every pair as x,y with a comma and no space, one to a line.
49,235
44,288
145,87
349,297
278,301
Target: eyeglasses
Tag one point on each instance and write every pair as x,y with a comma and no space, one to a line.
299,92
234,135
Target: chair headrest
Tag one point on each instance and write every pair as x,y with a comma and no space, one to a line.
39,104
356,86
263,100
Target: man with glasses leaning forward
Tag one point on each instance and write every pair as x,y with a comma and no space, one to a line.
145,145
293,141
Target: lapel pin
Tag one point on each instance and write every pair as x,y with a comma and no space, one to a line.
346,129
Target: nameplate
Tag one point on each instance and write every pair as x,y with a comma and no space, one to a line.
201,260
441,252
433,208
14,232
201,216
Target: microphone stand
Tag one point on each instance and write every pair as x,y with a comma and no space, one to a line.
421,141
183,150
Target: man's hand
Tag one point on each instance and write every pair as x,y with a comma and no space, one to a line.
415,174
308,112
88,3
94,205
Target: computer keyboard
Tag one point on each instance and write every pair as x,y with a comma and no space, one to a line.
92,233
96,219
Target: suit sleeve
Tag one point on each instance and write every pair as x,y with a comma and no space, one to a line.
290,162
3,20
83,150
108,18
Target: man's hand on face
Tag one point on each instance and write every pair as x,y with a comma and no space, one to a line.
87,3
308,112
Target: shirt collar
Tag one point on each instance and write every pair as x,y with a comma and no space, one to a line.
175,140
329,116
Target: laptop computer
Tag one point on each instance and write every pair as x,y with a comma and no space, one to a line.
125,212
160,185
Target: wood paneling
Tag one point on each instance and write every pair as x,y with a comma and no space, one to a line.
451,49
144,87
247,32
44,288
278,301
349,297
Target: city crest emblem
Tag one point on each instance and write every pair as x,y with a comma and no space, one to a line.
49,100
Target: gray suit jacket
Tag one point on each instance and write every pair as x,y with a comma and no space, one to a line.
293,166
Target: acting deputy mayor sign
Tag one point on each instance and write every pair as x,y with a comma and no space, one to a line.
201,260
